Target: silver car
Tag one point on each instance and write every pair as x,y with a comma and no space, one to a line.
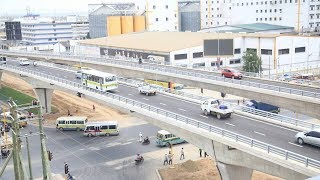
309,137
78,74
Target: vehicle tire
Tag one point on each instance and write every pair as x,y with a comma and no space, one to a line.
168,144
300,141
154,93
78,129
222,75
61,129
232,77
218,116
147,94
206,112
107,134
89,135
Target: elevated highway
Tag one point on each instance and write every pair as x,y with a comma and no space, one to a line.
268,147
299,99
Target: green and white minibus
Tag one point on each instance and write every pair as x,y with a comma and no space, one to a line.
103,128
99,80
71,123
164,138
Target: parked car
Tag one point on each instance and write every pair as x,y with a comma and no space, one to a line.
309,137
146,89
24,62
231,73
3,60
78,74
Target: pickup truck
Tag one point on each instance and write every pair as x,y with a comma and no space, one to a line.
216,107
147,89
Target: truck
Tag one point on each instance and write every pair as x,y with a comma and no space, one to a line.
263,106
216,107
146,89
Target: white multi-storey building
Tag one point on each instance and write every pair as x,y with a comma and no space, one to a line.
45,31
80,30
161,15
305,16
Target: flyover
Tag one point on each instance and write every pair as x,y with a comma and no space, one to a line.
260,153
297,100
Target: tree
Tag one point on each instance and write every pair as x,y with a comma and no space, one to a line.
251,62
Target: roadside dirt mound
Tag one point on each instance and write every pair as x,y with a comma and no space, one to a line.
191,170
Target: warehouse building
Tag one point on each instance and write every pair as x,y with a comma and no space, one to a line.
188,49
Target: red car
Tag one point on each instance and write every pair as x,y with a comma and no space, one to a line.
231,73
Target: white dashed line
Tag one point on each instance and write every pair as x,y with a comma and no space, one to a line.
259,133
295,144
182,109
146,99
130,94
116,91
163,104
230,124
204,116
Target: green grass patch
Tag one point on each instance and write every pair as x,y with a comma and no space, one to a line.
19,98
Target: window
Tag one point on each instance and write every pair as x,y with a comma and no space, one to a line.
275,18
280,10
73,122
283,51
266,51
270,19
229,8
226,23
157,19
154,7
167,6
237,51
175,15
50,39
217,9
167,19
104,127
260,19
197,54
195,65
266,2
62,122
261,11
215,63
265,11
206,16
266,19
235,61
275,10
280,18
300,49
180,56
257,11
112,127
80,122
270,10
314,134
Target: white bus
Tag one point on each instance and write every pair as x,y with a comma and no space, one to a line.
103,128
99,80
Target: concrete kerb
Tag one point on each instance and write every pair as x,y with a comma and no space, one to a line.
224,140
158,174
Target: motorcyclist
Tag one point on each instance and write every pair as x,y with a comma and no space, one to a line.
139,157
146,140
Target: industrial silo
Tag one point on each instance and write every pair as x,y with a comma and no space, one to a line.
113,25
139,23
189,17
126,24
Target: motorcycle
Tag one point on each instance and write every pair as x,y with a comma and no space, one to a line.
146,142
139,161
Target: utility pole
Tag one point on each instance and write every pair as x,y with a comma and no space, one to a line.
44,156
29,158
18,171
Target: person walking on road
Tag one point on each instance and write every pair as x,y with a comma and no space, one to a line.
182,154
205,154
93,108
170,158
200,151
166,158
140,137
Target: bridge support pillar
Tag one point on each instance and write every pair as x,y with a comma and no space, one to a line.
45,97
0,78
231,172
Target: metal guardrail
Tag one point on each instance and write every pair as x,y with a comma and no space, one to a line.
248,142
171,70
272,116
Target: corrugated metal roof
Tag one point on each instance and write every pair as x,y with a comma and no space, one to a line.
262,26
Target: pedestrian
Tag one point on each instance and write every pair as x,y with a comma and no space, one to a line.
93,107
32,115
238,101
182,154
140,137
200,151
165,159
69,113
170,158
205,154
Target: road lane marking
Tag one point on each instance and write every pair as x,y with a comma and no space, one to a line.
130,94
145,99
295,144
204,116
230,124
182,109
116,91
259,133
163,104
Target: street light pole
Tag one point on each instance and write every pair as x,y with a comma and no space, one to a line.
29,158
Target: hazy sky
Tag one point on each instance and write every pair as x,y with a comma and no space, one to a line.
45,7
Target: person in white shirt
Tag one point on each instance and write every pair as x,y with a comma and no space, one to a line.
182,154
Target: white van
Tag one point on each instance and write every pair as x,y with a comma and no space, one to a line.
103,128
24,61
